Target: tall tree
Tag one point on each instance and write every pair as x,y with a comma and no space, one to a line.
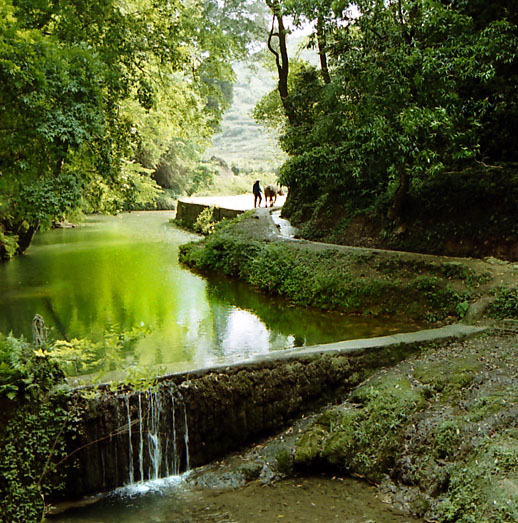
413,85
86,87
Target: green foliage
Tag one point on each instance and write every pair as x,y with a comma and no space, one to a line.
416,91
8,245
205,222
85,356
94,97
201,177
505,304
328,279
484,488
166,200
24,372
33,442
33,424
447,439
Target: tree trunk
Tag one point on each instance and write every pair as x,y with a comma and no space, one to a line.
25,238
400,195
321,41
281,57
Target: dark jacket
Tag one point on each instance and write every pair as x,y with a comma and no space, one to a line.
257,188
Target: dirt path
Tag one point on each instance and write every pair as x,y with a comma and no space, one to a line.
241,202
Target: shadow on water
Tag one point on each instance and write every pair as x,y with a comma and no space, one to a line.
300,326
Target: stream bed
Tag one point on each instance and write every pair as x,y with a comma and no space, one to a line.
319,498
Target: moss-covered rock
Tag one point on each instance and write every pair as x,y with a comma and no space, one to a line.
363,438
441,425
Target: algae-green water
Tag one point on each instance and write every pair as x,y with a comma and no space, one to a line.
114,274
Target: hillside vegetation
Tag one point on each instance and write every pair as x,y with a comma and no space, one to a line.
404,134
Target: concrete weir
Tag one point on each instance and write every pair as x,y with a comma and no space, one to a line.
187,211
189,419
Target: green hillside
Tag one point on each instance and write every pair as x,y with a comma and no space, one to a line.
242,142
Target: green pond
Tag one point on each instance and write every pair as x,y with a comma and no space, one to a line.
115,280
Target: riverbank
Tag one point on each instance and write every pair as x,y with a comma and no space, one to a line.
353,280
435,434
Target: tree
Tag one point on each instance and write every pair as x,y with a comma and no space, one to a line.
410,91
90,88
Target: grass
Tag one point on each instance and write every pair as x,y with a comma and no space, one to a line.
329,279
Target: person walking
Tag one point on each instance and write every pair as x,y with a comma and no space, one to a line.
257,194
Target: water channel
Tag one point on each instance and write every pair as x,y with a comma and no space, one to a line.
120,274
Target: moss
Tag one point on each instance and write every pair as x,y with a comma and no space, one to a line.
442,424
486,487
389,384
309,446
364,439
284,461
487,406
447,439
451,377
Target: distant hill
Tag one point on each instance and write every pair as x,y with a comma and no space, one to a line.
242,142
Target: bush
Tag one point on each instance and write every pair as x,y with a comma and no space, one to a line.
33,424
506,303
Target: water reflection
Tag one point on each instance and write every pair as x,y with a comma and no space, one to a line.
118,273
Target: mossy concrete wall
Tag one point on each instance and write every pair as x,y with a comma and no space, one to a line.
200,416
188,212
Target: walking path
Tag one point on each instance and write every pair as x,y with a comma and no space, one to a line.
241,202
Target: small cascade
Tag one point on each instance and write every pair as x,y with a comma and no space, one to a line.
175,464
141,439
130,444
153,434
286,230
186,439
157,426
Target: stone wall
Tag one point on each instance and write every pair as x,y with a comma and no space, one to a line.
190,419
188,212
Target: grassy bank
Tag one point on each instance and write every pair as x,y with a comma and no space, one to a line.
438,431
355,281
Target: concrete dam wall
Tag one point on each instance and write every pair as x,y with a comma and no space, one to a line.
187,212
190,419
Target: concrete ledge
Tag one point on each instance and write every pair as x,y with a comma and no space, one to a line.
441,334
195,417
188,212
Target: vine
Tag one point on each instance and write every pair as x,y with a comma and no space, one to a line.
35,421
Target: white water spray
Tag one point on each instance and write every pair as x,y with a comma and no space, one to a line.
157,437
130,445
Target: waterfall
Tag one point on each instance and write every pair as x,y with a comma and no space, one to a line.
159,448
141,441
175,460
154,443
130,444
186,438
